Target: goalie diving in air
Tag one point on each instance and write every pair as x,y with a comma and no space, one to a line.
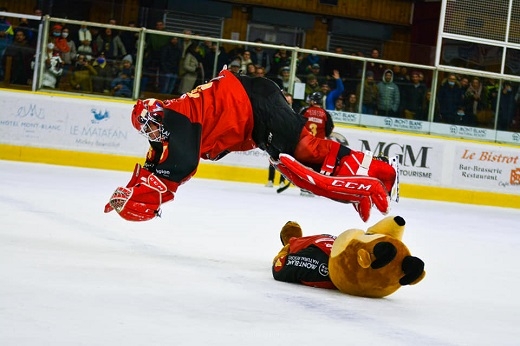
239,113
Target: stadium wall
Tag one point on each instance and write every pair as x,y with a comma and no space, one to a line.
97,133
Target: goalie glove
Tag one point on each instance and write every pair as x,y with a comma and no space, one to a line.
139,175
142,200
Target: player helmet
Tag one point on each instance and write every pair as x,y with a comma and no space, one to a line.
316,97
147,118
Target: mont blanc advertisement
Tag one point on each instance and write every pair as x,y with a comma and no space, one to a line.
68,124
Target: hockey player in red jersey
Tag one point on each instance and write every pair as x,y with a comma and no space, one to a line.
240,113
319,122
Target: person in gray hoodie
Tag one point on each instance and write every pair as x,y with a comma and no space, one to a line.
388,95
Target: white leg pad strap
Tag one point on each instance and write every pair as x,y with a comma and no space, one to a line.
365,164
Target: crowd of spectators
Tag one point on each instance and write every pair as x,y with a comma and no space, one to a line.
101,60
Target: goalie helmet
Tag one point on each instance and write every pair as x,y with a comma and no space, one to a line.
147,118
316,97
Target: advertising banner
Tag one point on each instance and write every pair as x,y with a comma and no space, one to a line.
69,124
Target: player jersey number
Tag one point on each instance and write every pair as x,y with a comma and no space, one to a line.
195,93
314,129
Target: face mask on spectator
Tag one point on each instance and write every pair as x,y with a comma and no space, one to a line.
56,34
100,60
451,83
64,34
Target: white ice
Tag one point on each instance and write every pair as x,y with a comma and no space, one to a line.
201,274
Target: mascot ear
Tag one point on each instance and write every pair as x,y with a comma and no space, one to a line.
385,252
363,258
390,225
413,269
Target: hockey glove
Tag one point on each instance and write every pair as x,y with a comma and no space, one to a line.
141,199
139,175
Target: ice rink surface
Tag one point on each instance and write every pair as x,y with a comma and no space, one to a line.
201,274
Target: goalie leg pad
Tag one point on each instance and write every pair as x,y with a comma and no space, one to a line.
358,163
363,191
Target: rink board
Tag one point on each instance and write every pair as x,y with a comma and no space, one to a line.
94,133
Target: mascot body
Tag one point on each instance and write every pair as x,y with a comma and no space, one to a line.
374,264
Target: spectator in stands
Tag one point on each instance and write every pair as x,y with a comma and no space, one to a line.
259,71
352,104
81,77
69,56
280,59
85,47
311,86
283,79
308,60
251,70
169,66
261,57
208,63
234,66
32,26
370,94
388,96
130,39
122,85
53,67
85,42
377,68
509,111
339,105
246,60
464,83
104,75
413,98
84,35
331,95
127,66
337,63
475,101
111,45
21,54
60,43
192,66
6,38
450,99
317,71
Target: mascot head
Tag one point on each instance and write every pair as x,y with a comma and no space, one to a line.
375,263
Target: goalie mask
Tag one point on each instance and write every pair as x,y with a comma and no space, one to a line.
147,118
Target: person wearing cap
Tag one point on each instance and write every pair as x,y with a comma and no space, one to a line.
283,78
234,66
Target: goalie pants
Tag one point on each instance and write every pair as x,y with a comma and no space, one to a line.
278,129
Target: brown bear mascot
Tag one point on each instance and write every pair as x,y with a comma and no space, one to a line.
374,264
